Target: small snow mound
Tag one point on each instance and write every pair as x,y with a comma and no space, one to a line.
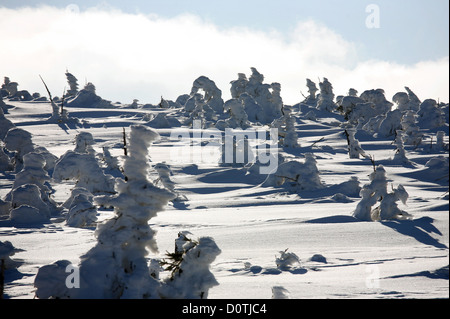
318,258
279,292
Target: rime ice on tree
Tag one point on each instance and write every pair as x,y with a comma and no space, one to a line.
191,277
213,96
376,191
85,169
430,116
73,84
117,266
354,148
326,97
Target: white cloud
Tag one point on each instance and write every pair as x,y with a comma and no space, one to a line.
141,56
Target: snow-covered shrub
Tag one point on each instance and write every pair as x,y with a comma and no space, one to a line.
19,141
84,142
361,113
111,163
50,281
190,277
26,214
290,138
378,99
6,251
437,169
74,193
347,104
354,148
440,143
87,97
253,110
238,116
279,292
117,267
311,99
164,173
376,191
414,102
286,128
73,84
200,111
300,176
159,121
30,194
411,131
238,86
33,173
390,124
287,260
82,211
213,95
85,170
270,102
430,115
326,97
400,153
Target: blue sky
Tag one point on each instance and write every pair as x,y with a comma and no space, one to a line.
287,40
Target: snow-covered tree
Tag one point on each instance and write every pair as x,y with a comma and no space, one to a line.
378,99
390,123
82,211
50,281
326,97
238,86
312,89
87,97
354,148
85,170
190,277
430,116
411,131
84,142
27,205
73,84
376,191
270,103
400,153
213,95
253,110
6,251
19,141
164,173
33,173
238,116
300,176
117,266
440,143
